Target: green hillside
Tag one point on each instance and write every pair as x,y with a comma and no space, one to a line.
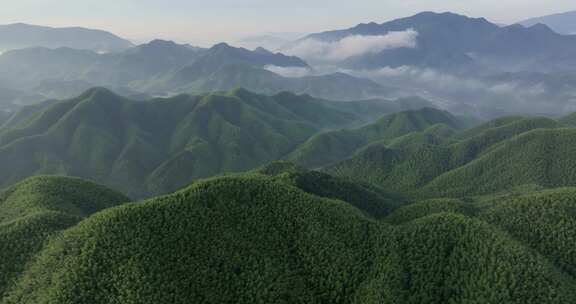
569,120
255,238
542,221
160,145
373,201
35,209
330,147
497,156
544,158
411,208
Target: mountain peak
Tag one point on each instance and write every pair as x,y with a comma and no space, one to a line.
261,50
541,27
22,35
161,42
222,46
241,92
98,93
562,23
430,16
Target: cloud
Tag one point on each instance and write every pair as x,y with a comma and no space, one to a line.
313,49
293,72
487,95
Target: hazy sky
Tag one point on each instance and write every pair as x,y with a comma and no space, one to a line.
203,22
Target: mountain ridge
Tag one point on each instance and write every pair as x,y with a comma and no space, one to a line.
21,35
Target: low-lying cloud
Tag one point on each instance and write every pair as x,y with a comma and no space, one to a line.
488,95
356,45
292,72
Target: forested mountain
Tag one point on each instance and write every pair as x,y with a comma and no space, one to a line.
449,41
156,146
499,156
36,209
327,148
262,238
20,35
149,147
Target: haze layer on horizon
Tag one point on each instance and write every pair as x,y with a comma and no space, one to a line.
206,22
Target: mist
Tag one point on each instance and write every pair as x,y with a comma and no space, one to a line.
355,45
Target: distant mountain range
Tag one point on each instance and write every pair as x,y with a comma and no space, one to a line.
563,23
164,68
449,41
20,35
466,65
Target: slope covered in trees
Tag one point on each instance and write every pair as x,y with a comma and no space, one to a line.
160,145
256,238
421,211
330,147
497,156
39,207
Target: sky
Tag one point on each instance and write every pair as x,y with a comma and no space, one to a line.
205,22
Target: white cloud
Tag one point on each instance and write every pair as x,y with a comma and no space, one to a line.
294,72
312,49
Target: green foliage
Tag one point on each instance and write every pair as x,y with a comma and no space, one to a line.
428,207
544,221
158,146
569,120
450,258
241,240
328,148
372,200
37,208
541,157
482,225
258,238
498,156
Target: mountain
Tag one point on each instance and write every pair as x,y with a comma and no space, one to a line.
563,23
535,158
449,41
254,238
159,145
506,155
166,68
223,55
38,208
20,35
373,201
421,207
337,86
331,147
62,65
162,68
